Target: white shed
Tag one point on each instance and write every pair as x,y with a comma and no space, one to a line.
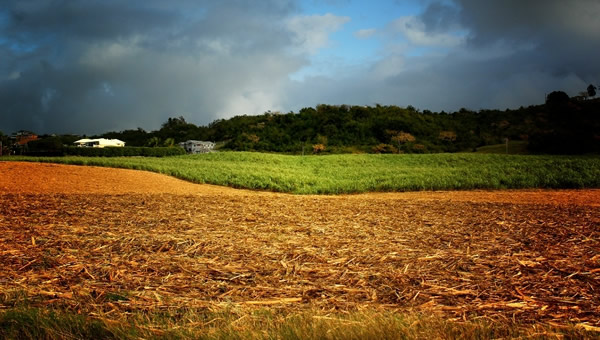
99,143
196,146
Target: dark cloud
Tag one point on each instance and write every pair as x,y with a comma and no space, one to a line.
98,65
529,21
31,20
513,53
93,66
559,37
440,17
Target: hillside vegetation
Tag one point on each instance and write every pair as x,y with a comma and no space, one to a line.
335,174
560,126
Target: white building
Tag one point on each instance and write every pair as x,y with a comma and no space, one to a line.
196,146
99,143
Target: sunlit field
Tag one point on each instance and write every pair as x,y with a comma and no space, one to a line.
96,252
336,174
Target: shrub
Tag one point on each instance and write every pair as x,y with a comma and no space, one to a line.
46,144
450,136
318,148
419,148
385,148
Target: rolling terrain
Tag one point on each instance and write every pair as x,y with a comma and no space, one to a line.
107,243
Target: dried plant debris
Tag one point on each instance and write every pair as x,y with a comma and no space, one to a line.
117,253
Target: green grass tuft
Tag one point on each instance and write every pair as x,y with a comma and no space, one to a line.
33,323
22,319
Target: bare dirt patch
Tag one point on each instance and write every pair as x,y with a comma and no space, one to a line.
109,240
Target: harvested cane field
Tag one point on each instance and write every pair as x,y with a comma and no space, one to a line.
110,243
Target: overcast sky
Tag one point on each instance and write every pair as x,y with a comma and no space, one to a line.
94,66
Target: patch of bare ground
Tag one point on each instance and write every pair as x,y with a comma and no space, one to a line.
110,241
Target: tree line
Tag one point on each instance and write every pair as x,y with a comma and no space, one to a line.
561,125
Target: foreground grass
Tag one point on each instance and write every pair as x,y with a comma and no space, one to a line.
337,174
34,323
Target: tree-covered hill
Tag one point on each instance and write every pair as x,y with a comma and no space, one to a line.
562,125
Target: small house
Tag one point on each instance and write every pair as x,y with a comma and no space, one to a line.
196,146
23,137
17,142
99,143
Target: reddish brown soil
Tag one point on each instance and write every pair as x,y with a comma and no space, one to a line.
110,240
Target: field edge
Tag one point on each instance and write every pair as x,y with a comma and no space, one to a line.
353,174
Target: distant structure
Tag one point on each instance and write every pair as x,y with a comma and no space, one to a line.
17,142
99,143
196,146
23,137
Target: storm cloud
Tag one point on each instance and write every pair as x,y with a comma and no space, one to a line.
478,55
512,54
98,65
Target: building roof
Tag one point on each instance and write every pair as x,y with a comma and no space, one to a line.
195,141
100,140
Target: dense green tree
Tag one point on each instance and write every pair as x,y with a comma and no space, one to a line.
137,137
169,142
153,141
591,90
46,144
556,98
